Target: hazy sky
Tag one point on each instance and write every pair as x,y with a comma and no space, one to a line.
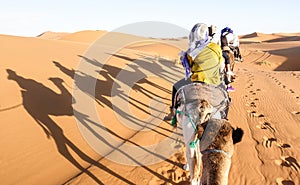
31,17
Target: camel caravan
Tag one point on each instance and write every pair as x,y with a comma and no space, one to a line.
200,103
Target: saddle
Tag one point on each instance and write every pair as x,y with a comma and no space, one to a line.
190,95
193,100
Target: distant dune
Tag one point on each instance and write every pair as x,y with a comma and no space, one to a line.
86,36
281,50
275,37
52,35
251,35
83,36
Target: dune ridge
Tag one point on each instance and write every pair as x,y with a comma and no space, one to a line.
52,35
274,37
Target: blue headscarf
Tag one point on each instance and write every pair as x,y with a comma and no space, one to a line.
226,29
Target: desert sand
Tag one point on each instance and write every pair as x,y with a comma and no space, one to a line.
46,129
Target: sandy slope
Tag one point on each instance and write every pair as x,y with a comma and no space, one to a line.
28,156
52,35
42,142
87,36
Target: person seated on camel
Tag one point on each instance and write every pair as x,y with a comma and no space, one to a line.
214,34
228,38
201,61
227,73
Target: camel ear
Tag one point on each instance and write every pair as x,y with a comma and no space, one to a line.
237,135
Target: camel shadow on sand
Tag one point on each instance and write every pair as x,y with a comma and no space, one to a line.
41,102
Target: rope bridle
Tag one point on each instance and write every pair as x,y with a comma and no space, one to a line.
208,151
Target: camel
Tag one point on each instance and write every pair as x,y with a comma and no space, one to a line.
231,54
207,136
216,155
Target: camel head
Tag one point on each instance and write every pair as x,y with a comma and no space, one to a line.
11,74
205,109
56,80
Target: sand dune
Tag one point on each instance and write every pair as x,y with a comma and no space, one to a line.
28,96
87,36
278,56
42,143
275,37
166,49
52,35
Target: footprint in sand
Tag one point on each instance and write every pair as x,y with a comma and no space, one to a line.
177,144
174,174
267,142
283,86
292,91
252,104
267,126
281,181
254,114
284,145
252,92
290,162
296,112
254,99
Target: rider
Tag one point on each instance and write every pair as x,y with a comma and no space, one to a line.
227,73
204,58
228,38
214,34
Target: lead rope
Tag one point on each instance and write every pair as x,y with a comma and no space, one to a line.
174,120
